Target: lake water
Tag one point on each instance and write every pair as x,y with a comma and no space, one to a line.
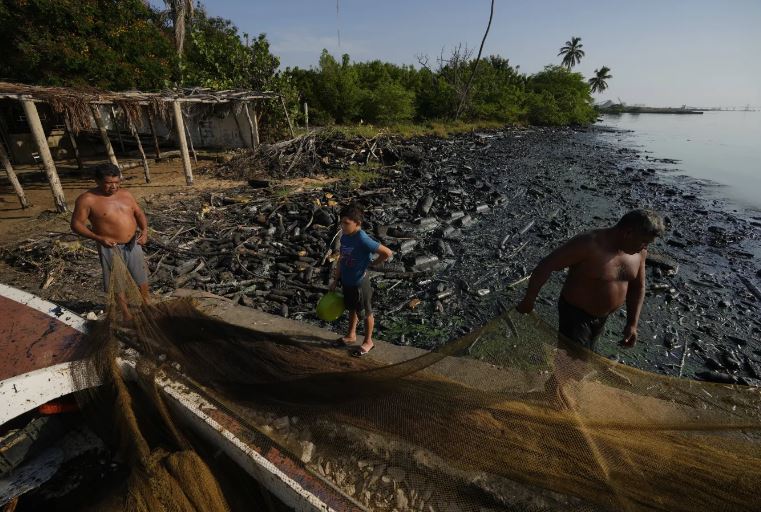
723,147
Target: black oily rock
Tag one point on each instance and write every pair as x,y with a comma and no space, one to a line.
323,217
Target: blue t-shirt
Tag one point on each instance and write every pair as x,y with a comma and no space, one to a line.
356,254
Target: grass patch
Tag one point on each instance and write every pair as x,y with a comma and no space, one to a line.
359,175
408,130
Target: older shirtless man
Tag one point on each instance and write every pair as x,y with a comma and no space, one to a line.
606,270
114,217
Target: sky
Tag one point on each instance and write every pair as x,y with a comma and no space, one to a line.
661,52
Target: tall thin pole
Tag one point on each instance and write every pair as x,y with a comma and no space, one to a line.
287,117
104,136
13,178
116,127
306,116
136,135
179,126
33,118
73,141
251,127
155,137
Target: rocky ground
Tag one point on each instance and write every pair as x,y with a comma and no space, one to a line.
468,218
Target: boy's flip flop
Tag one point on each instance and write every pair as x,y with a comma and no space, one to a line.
360,353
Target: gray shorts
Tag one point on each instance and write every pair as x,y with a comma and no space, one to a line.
131,253
358,298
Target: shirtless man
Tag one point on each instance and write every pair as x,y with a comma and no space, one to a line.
115,217
606,270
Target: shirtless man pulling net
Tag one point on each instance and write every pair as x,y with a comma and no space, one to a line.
606,270
114,217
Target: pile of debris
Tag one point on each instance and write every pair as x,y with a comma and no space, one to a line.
276,253
316,153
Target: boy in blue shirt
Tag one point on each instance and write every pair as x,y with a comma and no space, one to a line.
357,249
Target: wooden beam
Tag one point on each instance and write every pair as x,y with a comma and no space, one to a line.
73,141
116,127
104,136
287,117
179,128
253,127
190,141
306,116
155,137
136,135
33,118
12,177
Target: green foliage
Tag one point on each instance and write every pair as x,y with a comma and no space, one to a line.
383,93
101,43
557,96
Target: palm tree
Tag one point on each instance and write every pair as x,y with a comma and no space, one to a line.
598,82
571,52
181,11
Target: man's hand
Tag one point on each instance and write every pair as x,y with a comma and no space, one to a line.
143,238
630,336
525,306
106,242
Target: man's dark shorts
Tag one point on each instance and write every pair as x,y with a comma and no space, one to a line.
579,326
131,253
358,298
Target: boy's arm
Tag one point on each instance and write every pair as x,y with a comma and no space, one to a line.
566,255
336,274
384,253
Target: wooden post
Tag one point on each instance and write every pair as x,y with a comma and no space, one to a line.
12,177
179,126
190,141
104,136
133,130
33,118
306,116
116,127
287,117
155,138
252,126
73,141
240,130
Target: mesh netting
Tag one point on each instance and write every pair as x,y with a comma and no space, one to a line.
550,427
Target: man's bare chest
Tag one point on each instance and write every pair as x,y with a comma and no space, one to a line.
611,268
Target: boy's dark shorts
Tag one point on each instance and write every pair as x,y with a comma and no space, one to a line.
579,326
358,298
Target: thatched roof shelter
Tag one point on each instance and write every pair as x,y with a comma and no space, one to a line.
79,107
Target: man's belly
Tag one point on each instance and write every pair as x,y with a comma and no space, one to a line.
121,230
598,298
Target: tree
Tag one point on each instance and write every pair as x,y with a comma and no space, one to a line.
109,45
181,12
571,52
598,82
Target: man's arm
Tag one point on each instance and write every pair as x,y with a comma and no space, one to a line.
142,222
566,255
635,297
79,222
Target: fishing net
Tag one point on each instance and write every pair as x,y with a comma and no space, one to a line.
545,426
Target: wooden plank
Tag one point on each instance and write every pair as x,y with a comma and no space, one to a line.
73,141
33,118
13,178
104,136
287,117
252,126
155,137
179,126
136,135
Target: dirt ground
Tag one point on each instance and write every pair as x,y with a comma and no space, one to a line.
17,224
